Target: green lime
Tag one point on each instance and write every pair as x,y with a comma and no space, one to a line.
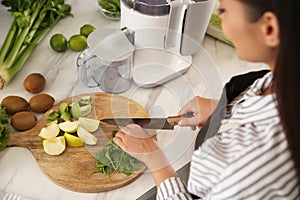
58,42
86,29
78,42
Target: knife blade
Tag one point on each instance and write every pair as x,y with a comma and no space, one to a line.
166,123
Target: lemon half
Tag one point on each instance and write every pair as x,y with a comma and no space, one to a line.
50,131
54,146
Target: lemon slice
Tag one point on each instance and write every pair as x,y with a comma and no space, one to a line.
88,124
86,136
68,126
50,131
54,146
73,141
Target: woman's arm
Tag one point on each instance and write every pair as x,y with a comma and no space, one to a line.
138,143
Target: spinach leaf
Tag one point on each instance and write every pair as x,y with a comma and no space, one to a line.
4,133
113,158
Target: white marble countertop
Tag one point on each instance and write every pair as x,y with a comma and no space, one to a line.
211,68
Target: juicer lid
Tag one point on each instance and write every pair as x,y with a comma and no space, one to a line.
110,45
149,7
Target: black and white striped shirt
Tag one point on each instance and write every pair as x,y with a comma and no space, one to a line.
249,160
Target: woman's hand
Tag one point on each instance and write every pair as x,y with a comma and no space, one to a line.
201,107
140,144
137,142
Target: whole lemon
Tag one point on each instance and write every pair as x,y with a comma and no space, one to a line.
78,42
58,42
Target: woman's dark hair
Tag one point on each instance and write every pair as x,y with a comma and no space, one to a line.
287,69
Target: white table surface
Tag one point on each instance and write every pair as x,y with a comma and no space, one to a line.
211,68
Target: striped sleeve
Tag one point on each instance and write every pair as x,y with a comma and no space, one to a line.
264,170
244,164
172,189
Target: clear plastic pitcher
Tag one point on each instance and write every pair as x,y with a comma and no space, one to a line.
107,63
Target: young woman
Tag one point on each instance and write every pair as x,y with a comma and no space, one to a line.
254,153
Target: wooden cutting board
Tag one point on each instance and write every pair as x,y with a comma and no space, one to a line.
72,169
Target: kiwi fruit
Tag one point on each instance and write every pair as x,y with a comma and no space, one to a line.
14,104
24,120
40,103
34,83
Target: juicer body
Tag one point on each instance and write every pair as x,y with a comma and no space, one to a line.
178,26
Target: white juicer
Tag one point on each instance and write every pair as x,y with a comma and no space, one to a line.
166,35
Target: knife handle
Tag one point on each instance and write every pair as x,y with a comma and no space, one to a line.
173,120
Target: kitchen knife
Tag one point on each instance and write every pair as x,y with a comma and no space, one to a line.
148,123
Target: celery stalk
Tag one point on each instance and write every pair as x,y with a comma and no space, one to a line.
33,20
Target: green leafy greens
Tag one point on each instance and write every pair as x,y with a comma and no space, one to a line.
33,19
112,6
113,158
216,22
4,133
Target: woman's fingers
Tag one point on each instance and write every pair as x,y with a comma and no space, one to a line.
191,121
119,139
135,131
201,107
191,106
119,142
